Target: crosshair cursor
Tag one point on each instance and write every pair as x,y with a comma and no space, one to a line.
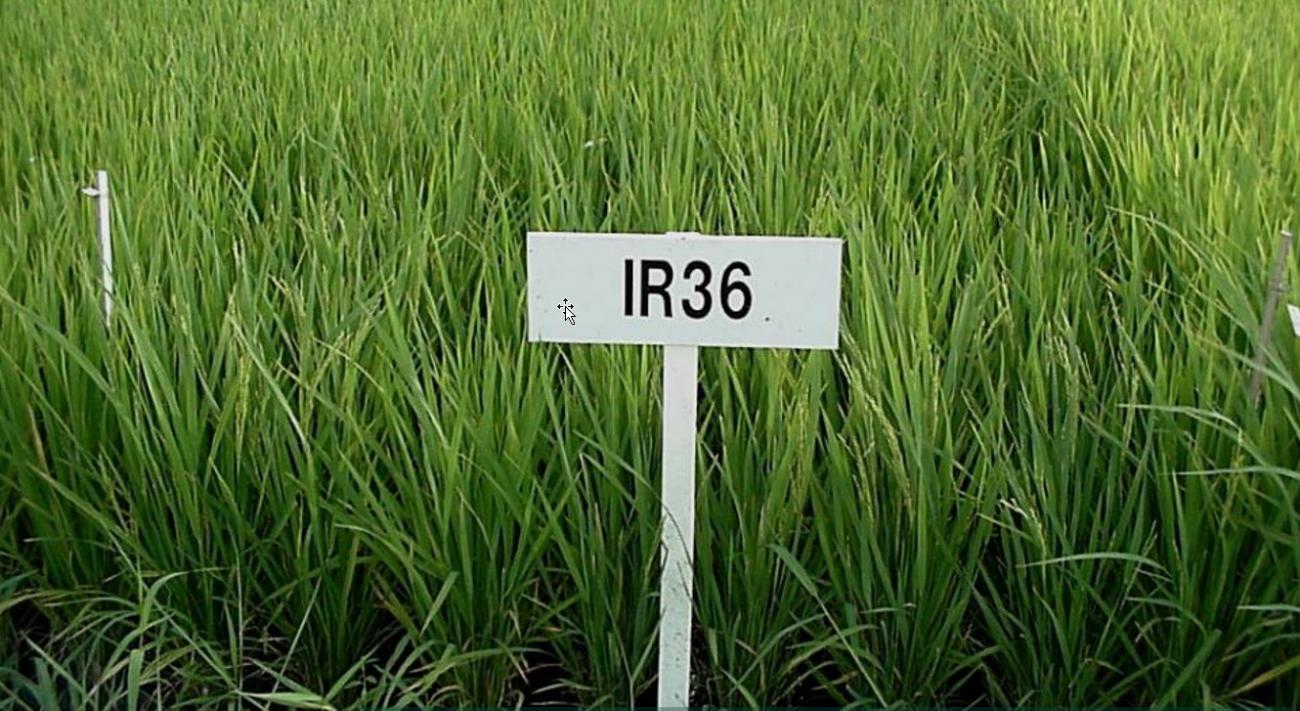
566,312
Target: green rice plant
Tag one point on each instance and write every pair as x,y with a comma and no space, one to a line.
313,461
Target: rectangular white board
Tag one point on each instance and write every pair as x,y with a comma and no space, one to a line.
684,289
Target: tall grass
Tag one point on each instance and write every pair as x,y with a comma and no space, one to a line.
313,461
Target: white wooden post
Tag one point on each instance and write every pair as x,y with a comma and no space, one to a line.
677,535
99,191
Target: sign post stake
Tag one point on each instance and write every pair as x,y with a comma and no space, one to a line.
677,535
99,191
682,290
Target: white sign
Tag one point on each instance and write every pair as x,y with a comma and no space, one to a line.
684,289
1294,311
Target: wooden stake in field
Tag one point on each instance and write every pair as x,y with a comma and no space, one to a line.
99,191
682,290
677,533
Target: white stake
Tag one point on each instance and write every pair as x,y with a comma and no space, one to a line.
100,192
681,369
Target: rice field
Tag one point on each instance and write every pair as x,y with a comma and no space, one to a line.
313,462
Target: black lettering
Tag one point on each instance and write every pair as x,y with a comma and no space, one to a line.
701,288
661,289
729,287
627,287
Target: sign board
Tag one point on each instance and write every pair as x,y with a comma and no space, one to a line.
684,289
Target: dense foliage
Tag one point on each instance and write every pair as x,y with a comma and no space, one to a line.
313,460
